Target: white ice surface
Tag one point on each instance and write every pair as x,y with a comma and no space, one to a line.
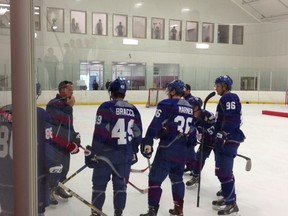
261,192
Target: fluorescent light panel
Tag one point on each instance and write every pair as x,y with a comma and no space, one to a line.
129,41
202,46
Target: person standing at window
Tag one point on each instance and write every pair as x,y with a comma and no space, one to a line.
95,85
173,33
51,64
99,27
120,29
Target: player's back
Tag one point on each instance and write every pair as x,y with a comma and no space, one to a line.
176,115
117,122
44,145
6,150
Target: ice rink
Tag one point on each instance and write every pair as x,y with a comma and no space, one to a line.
261,192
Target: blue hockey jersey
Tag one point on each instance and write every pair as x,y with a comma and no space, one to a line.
45,151
6,147
118,126
173,124
229,117
205,123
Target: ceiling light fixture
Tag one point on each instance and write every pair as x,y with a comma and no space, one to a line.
138,5
202,46
129,41
185,10
3,11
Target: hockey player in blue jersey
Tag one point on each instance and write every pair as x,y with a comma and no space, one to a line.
187,94
6,162
228,137
48,170
117,136
173,125
191,159
204,122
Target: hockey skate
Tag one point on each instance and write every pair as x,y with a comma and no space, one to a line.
118,212
152,211
229,210
62,193
177,211
187,171
218,204
193,181
52,198
219,194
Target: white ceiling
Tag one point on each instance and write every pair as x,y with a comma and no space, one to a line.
265,10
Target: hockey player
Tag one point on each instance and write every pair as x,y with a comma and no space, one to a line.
191,159
173,124
228,137
204,122
6,162
117,136
48,170
187,94
65,140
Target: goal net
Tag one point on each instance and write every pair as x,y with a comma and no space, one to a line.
155,95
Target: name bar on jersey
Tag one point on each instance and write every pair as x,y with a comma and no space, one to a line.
125,111
185,110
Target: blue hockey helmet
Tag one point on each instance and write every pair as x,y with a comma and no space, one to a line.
224,80
195,101
118,86
178,86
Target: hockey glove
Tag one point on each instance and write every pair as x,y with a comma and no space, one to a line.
90,159
164,130
73,148
220,138
77,139
199,136
146,150
134,159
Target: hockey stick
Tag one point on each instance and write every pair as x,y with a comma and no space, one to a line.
81,199
143,191
149,164
105,159
142,170
248,162
212,94
74,174
115,171
248,165
139,170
